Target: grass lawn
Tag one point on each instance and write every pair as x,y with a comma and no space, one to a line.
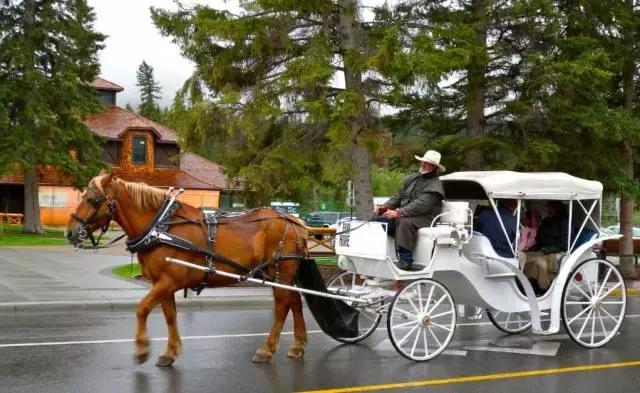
11,235
326,261
127,271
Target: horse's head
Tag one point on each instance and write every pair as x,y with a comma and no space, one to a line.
96,209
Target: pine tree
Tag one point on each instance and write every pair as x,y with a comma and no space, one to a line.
129,108
48,61
149,93
270,73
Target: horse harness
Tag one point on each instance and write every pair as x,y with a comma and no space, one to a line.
158,233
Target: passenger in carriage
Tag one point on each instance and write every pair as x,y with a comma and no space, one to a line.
488,224
415,205
551,241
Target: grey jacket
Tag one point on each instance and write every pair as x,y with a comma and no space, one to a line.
420,195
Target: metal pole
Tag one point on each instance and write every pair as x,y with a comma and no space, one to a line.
504,231
570,226
267,283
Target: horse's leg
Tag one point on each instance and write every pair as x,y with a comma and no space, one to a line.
299,329
159,290
281,309
174,345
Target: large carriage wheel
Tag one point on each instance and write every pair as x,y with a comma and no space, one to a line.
593,303
422,319
510,322
347,283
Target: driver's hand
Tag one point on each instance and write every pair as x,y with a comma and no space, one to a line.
391,214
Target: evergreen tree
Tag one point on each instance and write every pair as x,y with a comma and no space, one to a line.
48,61
149,93
271,74
129,108
448,64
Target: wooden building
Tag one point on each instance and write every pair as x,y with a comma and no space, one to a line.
137,149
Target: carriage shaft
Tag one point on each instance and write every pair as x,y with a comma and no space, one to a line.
267,283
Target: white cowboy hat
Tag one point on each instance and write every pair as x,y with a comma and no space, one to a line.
432,157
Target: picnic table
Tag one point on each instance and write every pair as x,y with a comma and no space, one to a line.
12,218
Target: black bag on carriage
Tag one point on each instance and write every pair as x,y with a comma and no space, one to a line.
335,317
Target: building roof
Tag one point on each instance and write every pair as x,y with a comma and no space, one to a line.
166,177
205,170
520,185
103,84
115,121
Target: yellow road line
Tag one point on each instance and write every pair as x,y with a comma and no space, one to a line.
479,378
630,292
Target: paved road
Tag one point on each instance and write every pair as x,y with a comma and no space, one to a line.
36,277
91,352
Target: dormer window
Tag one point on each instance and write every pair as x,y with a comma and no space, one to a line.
107,97
139,150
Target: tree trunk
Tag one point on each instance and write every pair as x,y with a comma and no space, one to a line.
360,158
31,201
626,202
476,89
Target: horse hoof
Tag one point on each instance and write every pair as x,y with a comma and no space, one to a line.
297,353
261,357
165,361
140,358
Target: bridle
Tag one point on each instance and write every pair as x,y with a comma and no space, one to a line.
97,202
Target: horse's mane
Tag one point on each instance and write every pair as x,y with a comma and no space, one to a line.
144,196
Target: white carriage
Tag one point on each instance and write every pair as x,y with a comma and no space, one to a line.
588,294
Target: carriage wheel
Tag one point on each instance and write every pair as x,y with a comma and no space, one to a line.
510,322
421,320
347,283
593,303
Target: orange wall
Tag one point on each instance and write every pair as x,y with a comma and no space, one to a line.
65,200
69,197
201,198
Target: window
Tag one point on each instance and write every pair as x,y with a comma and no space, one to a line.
139,150
107,97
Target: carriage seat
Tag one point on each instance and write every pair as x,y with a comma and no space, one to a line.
479,246
448,224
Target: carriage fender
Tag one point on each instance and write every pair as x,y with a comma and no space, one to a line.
566,268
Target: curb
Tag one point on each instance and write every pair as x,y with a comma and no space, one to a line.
131,304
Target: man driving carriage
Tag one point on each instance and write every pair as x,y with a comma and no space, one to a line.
416,204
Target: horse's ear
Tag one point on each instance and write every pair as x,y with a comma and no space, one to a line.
106,180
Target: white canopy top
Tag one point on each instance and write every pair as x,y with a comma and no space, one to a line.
521,185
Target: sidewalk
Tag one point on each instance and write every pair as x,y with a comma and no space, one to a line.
57,278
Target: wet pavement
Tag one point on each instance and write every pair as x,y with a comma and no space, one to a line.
37,278
92,352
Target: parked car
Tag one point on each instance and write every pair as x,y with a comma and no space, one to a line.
616,229
325,219
612,247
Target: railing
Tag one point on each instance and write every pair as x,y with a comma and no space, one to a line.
321,241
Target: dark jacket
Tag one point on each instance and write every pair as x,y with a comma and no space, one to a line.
552,234
420,195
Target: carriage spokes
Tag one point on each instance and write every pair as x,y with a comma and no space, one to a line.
432,318
350,284
594,303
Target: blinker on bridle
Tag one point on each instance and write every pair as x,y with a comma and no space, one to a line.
96,202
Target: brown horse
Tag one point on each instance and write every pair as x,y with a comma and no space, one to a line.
249,240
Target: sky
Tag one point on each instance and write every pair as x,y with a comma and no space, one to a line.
132,38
